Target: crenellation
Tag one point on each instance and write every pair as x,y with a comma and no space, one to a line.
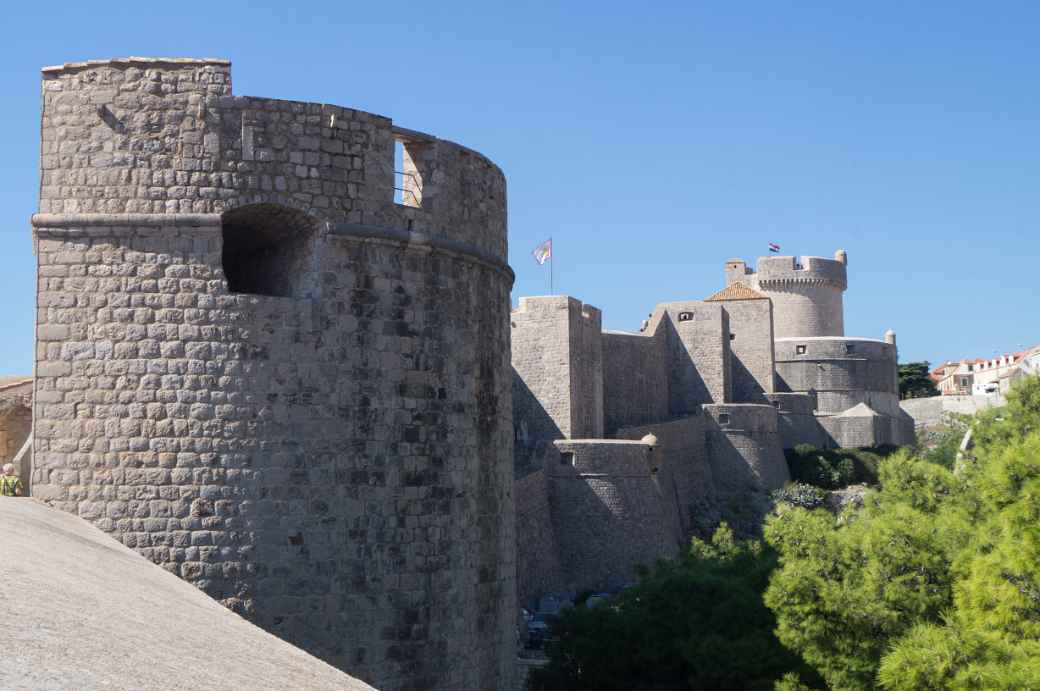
716,389
262,373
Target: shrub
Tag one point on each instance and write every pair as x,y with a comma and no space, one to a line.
800,494
835,468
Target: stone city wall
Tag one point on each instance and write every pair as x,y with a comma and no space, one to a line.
684,472
635,382
744,447
326,452
842,371
697,350
538,557
609,512
751,348
806,292
797,422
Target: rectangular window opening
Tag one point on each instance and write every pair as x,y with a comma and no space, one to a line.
411,166
850,348
567,458
799,350
723,418
685,316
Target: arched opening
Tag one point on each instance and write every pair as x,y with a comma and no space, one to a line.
269,250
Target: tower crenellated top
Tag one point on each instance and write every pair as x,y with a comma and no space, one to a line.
777,272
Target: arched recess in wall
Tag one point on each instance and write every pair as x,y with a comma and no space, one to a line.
270,249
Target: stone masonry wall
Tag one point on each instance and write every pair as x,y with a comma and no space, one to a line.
609,513
697,349
751,347
538,558
635,383
842,371
334,464
684,473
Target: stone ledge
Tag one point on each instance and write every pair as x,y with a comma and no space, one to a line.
88,220
135,61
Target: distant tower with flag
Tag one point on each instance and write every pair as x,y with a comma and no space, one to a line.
807,292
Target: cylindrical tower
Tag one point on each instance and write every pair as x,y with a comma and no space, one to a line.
806,293
260,370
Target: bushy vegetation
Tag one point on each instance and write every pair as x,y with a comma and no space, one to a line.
933,584
801,494
695,623
914,381
835,468
936,583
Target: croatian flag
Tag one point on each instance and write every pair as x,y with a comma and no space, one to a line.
773,247
543,252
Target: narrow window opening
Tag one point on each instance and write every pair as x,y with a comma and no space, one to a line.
799,350
269,250
686,316
411,165
776,404
723,418
732,337
850,348
567,458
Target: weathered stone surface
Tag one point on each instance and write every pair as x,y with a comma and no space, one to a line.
83,611
275,381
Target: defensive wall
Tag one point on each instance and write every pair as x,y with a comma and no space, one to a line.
16,424
609,512
806,292
928,412
718,386
262,372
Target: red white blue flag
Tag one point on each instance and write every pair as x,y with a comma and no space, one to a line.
773,247
543,252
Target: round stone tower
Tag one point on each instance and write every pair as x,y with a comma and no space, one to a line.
806,292
278,367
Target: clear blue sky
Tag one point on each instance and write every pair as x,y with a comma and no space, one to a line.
652,141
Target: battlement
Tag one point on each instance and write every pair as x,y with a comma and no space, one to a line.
776,272
166,136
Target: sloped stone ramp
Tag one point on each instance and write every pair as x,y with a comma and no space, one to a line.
78,610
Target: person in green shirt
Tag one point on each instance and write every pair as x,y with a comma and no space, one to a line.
10,485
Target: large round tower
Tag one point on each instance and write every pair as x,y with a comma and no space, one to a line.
278,367
806,292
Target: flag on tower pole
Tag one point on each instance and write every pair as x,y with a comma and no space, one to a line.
543,253
773,247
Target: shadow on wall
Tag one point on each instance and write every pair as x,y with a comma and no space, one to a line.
534,430
689,390
608,523
746,388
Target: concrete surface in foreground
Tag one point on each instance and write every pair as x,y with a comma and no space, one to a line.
81,611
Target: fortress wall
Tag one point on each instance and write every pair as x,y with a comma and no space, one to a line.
929,411
751,346
586,369
609,513
166,136
842,371
744,447
331,460
634,380
797,420
538,568
856,432
806,293
698,355
684,473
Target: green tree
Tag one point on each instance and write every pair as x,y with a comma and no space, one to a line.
695,623
914,381
935,583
